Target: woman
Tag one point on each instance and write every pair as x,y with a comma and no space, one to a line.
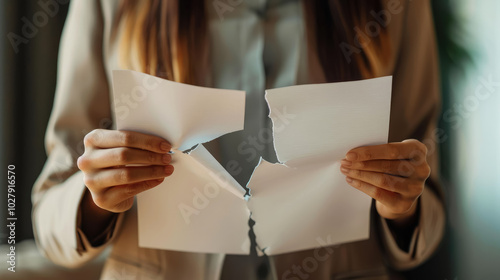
83,203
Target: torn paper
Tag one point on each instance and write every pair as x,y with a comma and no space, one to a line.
200,207
296,204
306,197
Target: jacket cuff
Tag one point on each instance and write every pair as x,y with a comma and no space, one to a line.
55,219
84,245
425,238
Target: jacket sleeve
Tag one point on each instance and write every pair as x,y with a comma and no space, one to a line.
81,104
414,113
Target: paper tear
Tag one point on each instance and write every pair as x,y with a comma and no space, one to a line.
184,213
305,195
292,202
188,151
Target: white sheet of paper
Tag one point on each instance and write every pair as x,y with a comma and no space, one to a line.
306,198
301,203
185,115
200,207
194,210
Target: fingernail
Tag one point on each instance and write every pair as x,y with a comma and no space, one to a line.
345,162
164,146
348,179
351,156
344,170
169,169
166,158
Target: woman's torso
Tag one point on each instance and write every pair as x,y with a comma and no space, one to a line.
255,45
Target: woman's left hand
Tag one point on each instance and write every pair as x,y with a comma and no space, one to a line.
393,174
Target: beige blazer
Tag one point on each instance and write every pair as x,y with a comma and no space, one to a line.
82,104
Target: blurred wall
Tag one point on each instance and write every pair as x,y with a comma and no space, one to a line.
475,163
30,38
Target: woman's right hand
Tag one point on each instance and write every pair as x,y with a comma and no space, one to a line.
112,183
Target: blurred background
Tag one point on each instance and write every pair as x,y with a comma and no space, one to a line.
469,48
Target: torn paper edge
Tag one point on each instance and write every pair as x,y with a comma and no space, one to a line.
224,185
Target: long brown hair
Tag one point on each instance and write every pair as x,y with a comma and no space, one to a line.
169,38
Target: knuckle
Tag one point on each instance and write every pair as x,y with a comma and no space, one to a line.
82,162
419,172
416,188
100,200
417,156
88,180
355,173
123,156
123,206
386,181
425,171
422,147
403,206
127,138
87,140
393,151
90,138
357,184
361,164
124,176
378,194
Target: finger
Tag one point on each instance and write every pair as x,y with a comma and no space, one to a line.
403,168
410,149
385,197
120,198
381,180
126,175
103,138
103,158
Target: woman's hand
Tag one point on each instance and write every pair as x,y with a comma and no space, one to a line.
110,181
393,174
